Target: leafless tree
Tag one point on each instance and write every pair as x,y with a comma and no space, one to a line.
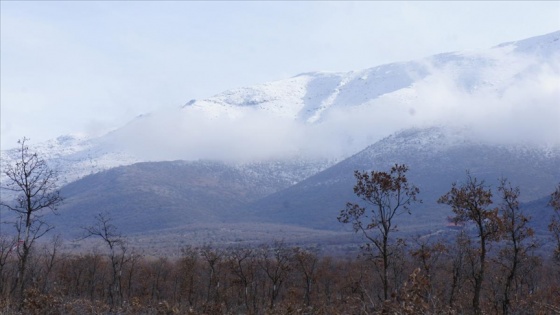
159,273
188,269
213,257
306,262
7,246
35,185
275,261
134,258
241,263
386,195
107,231
49,258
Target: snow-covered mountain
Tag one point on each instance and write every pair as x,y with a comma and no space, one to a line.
284,152
508,93
180,197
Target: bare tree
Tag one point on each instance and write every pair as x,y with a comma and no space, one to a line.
241,263
470,202
104,229
387,195
276,264
134,259
306,262
188,270
213,257
159,273
7,246
35,185
49,259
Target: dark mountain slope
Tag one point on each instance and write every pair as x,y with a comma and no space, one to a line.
152,196
436,158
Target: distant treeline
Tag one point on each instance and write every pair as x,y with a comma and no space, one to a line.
425,277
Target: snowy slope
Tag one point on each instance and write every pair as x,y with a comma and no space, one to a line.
497,91
308,96
73,157
330,116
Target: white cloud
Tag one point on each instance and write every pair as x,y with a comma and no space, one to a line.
522,108
498,104
79,64
195,135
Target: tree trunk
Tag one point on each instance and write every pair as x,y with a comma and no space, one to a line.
479,277
385,269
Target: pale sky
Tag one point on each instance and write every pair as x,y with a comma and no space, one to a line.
84,67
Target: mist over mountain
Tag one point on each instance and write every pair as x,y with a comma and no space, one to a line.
284,152
506,94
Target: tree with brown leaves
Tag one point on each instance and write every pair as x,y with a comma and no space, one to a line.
386,195
470,201
516,233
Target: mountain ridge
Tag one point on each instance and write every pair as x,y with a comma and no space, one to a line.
284,152
308,98
316,200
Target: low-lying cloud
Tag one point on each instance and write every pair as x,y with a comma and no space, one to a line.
522,107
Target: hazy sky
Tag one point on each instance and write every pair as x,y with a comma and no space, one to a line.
86,66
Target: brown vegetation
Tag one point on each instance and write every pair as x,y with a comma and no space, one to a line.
490,266
271,279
